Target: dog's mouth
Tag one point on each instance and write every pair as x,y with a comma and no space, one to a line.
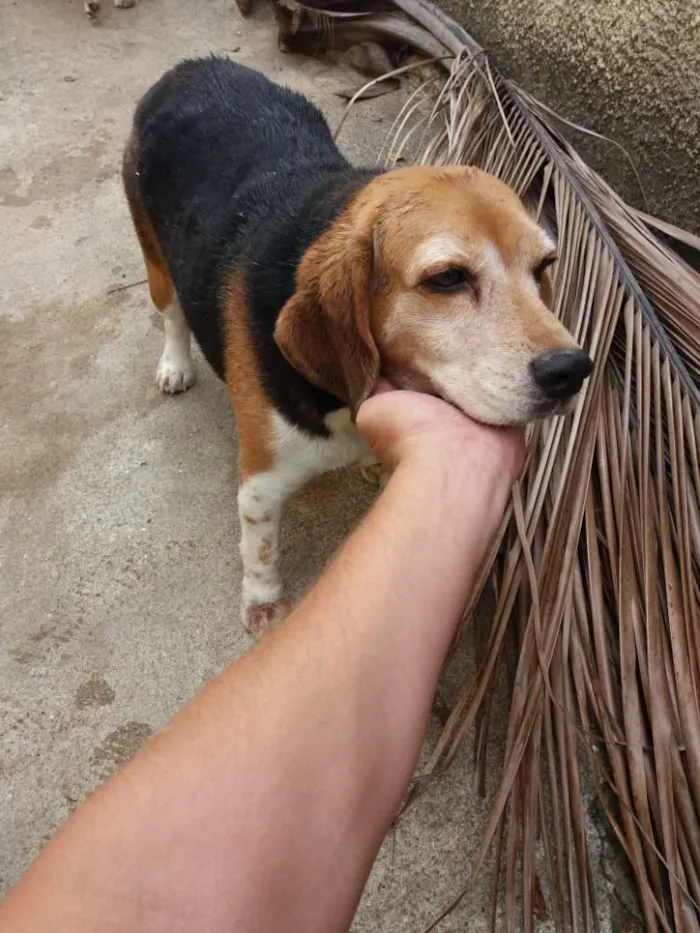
536,408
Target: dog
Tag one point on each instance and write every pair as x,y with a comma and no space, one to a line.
304,280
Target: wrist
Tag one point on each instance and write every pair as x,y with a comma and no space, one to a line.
479,463
467,483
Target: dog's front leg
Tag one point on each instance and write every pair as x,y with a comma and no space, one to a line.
261,498
372,471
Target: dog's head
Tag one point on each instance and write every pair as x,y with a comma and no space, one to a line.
438,279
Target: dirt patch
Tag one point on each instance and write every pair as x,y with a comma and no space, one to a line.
94,692
120,746
48,638
48,398
41,222
65,174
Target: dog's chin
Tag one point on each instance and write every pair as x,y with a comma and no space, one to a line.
411,380
518,414
416,381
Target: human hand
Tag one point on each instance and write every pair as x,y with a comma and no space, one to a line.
403,426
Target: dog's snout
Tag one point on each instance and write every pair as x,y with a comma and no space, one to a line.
560,373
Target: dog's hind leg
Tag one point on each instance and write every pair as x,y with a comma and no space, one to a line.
175,371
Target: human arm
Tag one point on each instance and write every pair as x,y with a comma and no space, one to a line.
261,807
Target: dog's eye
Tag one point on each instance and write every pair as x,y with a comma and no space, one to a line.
540,270
450,280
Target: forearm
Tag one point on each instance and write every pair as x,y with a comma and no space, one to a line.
262,806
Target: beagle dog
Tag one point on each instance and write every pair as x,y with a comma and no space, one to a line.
304,279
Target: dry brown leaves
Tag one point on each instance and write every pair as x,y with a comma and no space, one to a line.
599,585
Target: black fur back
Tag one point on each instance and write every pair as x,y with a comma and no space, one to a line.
235,170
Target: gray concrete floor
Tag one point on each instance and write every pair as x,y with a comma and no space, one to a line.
119,572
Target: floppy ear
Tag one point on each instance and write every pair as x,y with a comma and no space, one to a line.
324,330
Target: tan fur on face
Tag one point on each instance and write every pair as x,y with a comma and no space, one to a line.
471,347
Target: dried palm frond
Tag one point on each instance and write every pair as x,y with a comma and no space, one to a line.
599,574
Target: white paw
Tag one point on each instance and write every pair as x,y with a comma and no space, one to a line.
124,4
174,375
91,7
262,617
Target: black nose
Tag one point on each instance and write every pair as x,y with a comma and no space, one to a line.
561,372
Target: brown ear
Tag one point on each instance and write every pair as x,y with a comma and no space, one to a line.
324,330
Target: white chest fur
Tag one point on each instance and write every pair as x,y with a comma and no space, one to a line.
298,457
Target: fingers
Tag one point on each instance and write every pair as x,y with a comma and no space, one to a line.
401,424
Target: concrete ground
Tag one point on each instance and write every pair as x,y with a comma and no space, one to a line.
119,570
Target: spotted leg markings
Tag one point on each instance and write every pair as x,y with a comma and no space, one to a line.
175,370
260,501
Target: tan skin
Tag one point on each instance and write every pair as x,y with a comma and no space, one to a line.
261,807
